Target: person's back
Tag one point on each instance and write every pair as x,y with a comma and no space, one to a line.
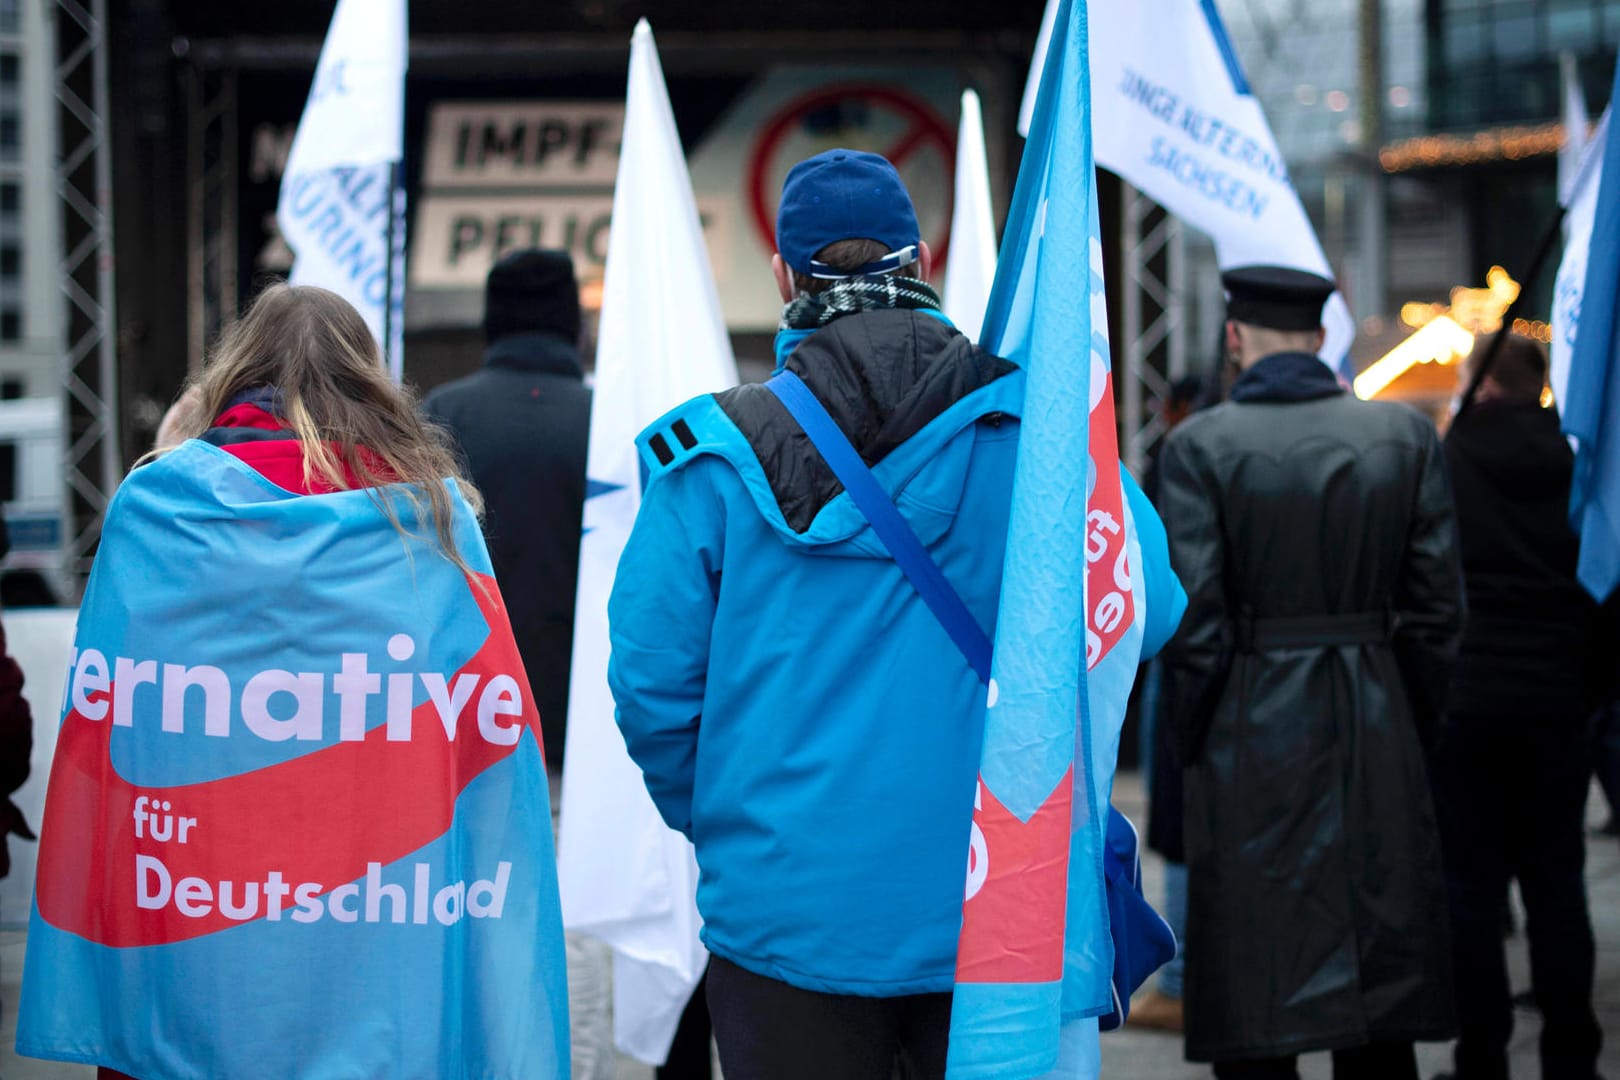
293,669
1526,643
1324,492
1314,535
1513,765
794,704
840,728
522,424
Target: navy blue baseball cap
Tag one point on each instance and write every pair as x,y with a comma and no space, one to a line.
845,195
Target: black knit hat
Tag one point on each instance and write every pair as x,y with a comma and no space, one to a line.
532,291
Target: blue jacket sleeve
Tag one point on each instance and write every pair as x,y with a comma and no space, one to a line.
1166,599
660,615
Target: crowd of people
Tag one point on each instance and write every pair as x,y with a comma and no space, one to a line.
1375,714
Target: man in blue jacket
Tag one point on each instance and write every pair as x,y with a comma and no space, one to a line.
795,706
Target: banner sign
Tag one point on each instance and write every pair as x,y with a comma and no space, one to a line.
458,237
504,175
523,144
298,777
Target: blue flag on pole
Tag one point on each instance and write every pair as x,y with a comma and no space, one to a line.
1591,409
1035,962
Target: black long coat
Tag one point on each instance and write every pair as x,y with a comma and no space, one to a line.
523,423
1316,539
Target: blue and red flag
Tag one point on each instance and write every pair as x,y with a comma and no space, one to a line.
298,820
1035,950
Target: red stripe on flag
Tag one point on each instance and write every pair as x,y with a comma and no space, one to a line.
317,818
1018,876
1110,605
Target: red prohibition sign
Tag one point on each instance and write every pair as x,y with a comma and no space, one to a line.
924,129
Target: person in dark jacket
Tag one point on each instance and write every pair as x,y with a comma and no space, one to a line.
1316,539
522,424
1512,767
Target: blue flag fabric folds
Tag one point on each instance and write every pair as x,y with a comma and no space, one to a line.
1591,410
1036,960
298,820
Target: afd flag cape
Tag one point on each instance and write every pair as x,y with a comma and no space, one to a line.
1035,962
297,822
1591,406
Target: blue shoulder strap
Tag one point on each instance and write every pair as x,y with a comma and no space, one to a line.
891,528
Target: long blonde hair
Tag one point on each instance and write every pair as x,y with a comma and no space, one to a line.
314,350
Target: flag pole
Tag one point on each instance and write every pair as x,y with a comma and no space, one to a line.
395,364
1494,349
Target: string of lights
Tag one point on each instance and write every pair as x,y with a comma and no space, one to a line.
1493,144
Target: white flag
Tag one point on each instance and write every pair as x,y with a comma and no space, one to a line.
971,268
1174,115
625,876
1576,122
1570,284
341,210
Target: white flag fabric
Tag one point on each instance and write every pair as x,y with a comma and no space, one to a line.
1174,115
1575,122
625,876
971,268
340,209
1570,284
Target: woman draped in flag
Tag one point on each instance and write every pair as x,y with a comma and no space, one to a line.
297,822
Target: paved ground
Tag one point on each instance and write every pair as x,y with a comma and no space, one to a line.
1137,1055
1127,1055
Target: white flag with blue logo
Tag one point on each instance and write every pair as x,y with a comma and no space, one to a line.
1175,116
626,877
1580,201
1576,122
341,210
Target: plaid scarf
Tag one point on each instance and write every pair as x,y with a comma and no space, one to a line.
858,294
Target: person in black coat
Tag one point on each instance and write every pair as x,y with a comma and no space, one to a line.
522,424
1315,536
1513,764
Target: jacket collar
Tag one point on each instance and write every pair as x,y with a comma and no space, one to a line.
1288,376
546,353
789,339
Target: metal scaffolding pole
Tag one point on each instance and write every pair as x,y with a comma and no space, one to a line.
84,185
211,173
1155,295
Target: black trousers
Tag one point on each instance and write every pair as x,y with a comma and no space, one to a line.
1511,797
689,1052
1377,1061
768,1030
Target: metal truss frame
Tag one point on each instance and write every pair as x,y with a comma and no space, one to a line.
84,186
1155,324
211,148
